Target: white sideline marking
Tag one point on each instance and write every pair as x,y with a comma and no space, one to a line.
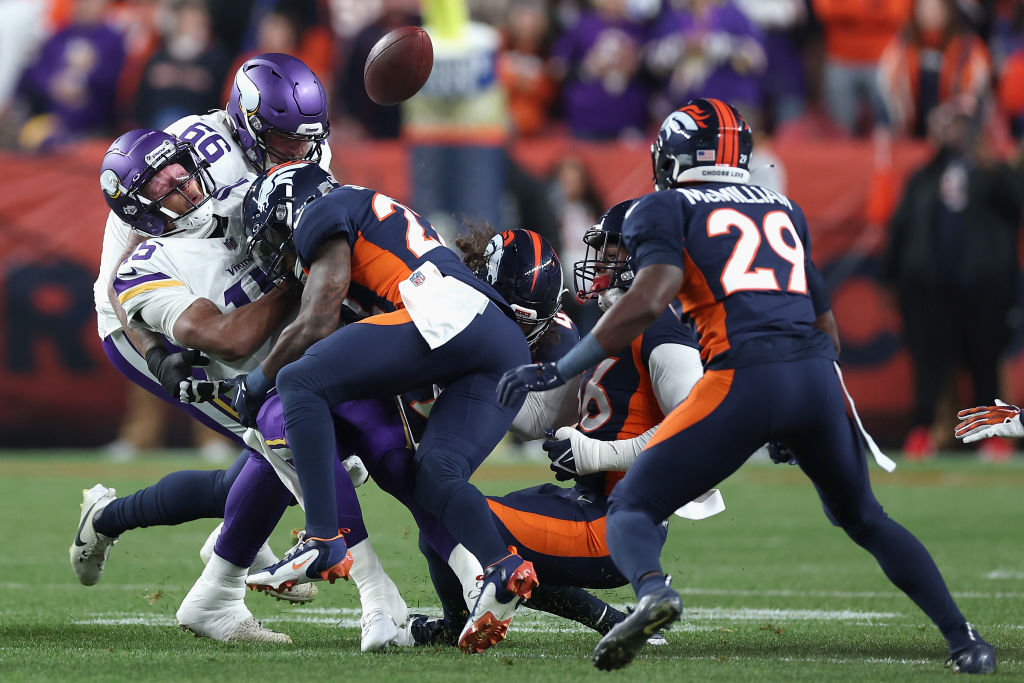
1005,574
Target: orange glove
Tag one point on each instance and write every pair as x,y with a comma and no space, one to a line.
983,422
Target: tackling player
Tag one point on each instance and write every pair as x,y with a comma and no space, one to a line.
738,258
433,323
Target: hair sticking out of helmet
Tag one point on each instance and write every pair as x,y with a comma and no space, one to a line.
705,140
523,267
606,271
152,180
272,208
279,109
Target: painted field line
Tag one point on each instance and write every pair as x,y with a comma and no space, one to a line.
1005,574
789,593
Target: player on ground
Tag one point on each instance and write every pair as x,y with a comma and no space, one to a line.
433,323
277,112
738,257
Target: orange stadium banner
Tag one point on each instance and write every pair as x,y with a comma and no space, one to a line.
60,390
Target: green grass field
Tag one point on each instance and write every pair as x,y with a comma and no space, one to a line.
772,591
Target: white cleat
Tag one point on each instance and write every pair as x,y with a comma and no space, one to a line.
297,595
90,548
379,631
215,608
657,639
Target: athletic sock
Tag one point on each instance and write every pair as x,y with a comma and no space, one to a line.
576,604
178,497
635,543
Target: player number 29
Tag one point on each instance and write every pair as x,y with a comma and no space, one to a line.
739,275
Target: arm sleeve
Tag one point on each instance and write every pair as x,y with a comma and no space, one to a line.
546,409
151,292
653,231
323,219
674,369
594,455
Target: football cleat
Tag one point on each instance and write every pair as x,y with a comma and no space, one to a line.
216,609
977,658
90,548
504,586
312,559
655,611
423,630
297,595
378,631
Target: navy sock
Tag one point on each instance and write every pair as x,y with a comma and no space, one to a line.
649,583
310,433
635,543
909,566
178,497
576,604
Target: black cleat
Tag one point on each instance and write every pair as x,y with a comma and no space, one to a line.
655,612
424,630
977,658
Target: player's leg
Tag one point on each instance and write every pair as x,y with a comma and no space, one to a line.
695,448
179,497
215,606
829,450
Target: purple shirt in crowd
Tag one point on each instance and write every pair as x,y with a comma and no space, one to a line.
75,77
604,104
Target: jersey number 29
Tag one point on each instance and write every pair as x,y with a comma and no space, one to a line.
738,274
417,238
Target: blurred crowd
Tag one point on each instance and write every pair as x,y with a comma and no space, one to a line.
600,69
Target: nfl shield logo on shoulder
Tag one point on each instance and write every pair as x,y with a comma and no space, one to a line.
705,155
417,279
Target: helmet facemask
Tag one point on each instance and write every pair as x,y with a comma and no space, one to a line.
197,220
605,273
271,245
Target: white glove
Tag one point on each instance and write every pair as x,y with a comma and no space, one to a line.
357,471
983,422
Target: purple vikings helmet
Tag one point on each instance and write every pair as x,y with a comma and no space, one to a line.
278,93
132,160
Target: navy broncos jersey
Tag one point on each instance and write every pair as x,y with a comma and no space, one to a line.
749,283
557,340
617,398
389,242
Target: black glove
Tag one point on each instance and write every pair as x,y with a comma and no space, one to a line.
780,453
248,399
171,369
516,383
563,462
194,390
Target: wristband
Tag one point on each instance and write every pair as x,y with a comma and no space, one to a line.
257,383
586,354
154,357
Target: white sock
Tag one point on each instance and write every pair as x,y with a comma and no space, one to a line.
221,571
376,589
264,558
467,568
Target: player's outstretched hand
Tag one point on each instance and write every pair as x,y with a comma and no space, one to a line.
173,369
563,461
983,422
249,398
516,383
194,390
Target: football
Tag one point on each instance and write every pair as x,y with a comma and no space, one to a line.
398,65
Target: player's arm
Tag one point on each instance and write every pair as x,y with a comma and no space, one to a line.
320,311
142,339
546,409
674,370
236,334
826,322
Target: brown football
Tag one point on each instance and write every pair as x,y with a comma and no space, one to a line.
398,65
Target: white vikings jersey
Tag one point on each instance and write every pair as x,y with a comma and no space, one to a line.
211,135
163,277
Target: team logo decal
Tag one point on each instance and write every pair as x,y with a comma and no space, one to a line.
417,279
110,183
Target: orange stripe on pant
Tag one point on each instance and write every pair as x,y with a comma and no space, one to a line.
553,536
705,397
399,317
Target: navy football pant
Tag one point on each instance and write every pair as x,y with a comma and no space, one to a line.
383,356
730,413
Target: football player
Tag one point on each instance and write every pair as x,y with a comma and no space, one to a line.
277,111
431,322
197,294
738,258
561,530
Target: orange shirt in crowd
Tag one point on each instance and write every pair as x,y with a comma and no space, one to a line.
859,30
530,90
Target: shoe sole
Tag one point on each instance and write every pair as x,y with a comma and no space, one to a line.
616,650
331,574
485,633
